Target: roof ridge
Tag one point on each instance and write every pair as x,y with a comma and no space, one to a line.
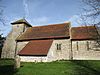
82,26
51,25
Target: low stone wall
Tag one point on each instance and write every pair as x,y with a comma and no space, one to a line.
33,58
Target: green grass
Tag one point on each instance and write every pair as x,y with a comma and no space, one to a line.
61,68
51,68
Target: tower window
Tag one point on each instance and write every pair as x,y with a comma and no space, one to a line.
17,25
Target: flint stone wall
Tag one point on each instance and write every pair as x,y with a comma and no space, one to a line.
85,50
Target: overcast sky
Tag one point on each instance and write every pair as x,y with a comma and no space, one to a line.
40,12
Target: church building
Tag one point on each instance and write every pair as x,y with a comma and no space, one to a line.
49,43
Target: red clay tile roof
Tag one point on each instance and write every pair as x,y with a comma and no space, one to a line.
44,32
86,32
36,47
21,21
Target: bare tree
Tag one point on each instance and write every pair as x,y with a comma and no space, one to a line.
2,39
91,15
1,13
2,22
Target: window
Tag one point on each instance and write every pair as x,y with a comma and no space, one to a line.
93,45
77,45
17,25
87,45
58,46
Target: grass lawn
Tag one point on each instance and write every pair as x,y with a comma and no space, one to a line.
61,68
52,68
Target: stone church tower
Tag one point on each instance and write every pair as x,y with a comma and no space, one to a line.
18,27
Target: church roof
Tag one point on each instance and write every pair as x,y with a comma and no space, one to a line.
84,33
36,47
21,21
46,32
